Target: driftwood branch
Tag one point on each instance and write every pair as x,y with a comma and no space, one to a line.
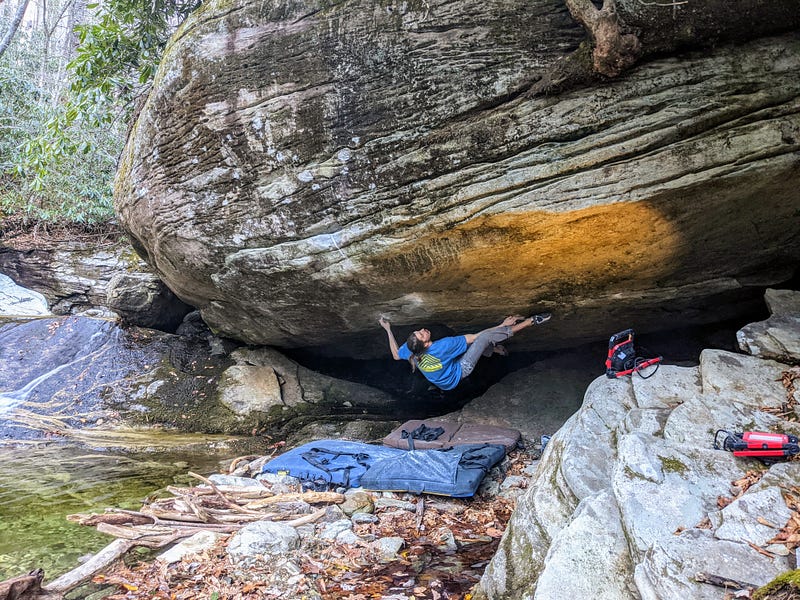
310,518
228,502
309,497
420,513
97,563
229,490
190,510
723,582
23,586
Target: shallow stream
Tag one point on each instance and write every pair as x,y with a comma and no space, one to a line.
40,484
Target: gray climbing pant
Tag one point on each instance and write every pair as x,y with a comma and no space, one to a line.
483,346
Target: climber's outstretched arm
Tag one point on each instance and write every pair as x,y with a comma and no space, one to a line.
392,342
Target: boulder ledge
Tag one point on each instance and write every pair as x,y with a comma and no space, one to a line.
631,498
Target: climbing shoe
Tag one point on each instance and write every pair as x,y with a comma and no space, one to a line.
542,318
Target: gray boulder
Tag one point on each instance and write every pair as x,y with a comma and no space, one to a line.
778,337
202,540
625,499
264,382
142,299
262,538
358,160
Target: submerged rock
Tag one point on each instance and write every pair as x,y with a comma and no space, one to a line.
62,374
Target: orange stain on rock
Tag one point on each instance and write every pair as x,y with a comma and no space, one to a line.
592,248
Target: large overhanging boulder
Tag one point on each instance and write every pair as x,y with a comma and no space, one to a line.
300,168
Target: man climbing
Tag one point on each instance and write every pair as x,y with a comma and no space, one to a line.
445,362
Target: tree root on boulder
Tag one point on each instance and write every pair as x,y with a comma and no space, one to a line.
614,51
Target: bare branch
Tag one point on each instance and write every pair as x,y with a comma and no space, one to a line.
12,29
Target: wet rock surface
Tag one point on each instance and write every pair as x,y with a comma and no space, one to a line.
62,375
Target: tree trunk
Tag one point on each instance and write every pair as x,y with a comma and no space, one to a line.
13,27
68,44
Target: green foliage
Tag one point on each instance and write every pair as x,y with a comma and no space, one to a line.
127,40
58,148
52,177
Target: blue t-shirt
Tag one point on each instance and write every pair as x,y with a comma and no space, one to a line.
440,363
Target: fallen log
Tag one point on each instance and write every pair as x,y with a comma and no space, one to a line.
194,524
155,537
24,586
87,570
308,497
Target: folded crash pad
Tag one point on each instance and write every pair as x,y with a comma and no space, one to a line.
330,462
456,471
432,433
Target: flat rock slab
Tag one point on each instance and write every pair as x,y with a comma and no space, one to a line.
16,301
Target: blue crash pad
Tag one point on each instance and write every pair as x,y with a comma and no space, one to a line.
455,472
331,462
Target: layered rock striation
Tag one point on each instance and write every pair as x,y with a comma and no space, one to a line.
300,168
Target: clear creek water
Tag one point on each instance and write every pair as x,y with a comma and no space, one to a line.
40,484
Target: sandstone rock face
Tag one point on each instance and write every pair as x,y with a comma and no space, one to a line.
73,276
142,299
77,277
779,336
301,168
625,499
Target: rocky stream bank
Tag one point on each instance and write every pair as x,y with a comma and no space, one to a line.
629,497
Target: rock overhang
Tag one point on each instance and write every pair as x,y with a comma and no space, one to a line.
294,211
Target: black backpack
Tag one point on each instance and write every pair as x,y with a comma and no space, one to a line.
622,360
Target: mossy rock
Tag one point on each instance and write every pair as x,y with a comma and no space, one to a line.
784,587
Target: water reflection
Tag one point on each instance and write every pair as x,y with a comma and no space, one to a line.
42,483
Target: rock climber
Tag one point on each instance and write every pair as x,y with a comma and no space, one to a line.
447,361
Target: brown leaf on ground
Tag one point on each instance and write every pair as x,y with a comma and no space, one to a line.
750,478
446,549
789,535
704,524
787,410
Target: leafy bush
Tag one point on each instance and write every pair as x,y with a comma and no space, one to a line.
46,177
59,141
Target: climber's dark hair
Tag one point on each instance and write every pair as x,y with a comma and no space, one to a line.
415,345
